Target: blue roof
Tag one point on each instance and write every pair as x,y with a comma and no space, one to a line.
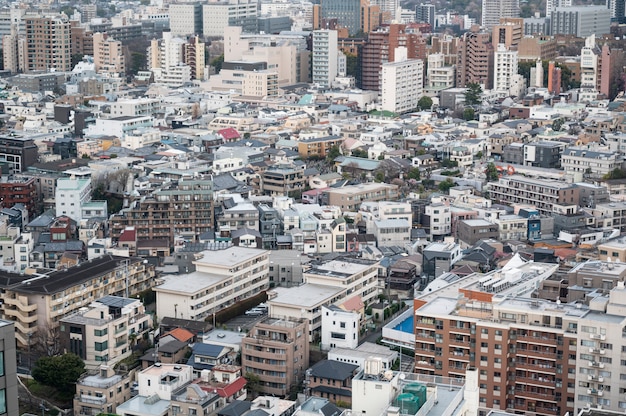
210,350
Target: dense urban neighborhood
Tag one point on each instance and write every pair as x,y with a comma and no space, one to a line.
312,208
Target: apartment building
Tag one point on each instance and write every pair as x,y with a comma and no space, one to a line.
108,55
176,209
438,217
324,63
512,227
505,69
20,191
349,198
186,19
494,11
594,163
439,75
318,146
105,331
9,404
610,215
542,194
340,328
403,83
521,346
48,45
244,215
439,257
19,152
221,279
471,231
101,391
370,211
40,300
283,180
475,60
216,17
277,351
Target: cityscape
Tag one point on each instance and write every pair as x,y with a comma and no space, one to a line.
313,208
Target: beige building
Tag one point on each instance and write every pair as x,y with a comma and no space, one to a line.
14,51
49,44
106,331
221,279
108,55
277,351
614,249
38,301
349,198
260,84
101,391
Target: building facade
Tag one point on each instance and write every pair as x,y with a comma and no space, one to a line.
48,44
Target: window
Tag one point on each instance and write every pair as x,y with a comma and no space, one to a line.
3,401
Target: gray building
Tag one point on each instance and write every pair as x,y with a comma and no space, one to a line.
425,13
543,154
513,153
273,24
347,12
536,26
287,267
581,21
8,370
470,232
38,82
591,194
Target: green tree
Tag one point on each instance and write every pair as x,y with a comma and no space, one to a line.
615,174
446,185
469,114
425,103
380,176
352,65
414,173
333,153
360,153
479,155
253,384
137,62
557,124
61,371
447,163
217,62
491,172
473,94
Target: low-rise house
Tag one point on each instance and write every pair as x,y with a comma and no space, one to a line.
101,391
332,380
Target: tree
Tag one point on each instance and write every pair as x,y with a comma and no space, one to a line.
446,185
333,153
425,103
360,153
45,341
557,124
469,114
253,384
352,65
479,155
491,172
217,63
61,371
380,176
473,94
414,173
615,174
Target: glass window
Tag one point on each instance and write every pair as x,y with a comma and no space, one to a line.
1,363
3,401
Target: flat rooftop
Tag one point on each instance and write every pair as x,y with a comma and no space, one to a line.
304,296
340,268
229,257
191,283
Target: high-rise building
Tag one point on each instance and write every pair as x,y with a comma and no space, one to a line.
618,12
108,55
88,12
590,54
186,19
48,43
380,48
166,60
425,13
536,75
8,366
389,10
14,51
580,21
475,59
508,32
193,56
504,68
354,15
217,16
494,10
324,57
402,82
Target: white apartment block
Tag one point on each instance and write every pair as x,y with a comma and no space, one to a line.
71,194
134,107
402,83
588,70
505,69
588,161
324,57
340,328
512,227
165,58
216,17
384,210
440,217
118,126
439,75
185,19
222,278
553,4
105,331
260,84
494,10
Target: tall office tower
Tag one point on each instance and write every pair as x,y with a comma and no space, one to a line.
193,55
494,10
347,13
186,19
49,45
217,16
88,12
108,55
617,10
425,13
580,21
508,32
324,57
475,60
402,82
553,4
380,48
165,59
504,69
389,10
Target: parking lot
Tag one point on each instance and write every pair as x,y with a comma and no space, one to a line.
244,322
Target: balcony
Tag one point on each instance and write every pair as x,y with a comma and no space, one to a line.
596,364
597,351
600,337
595,392
599,379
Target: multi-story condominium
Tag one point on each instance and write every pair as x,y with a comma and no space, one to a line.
349,198
610,215
102,391
553,4
283,180
221,279
318,146
20,191
346,12
505,68
243,215
512,227
580,21
340,328
438,217
595,163
48,45
440,75
392,232
135,107
118,126
260,84
613,249
471,231
19,152
184,209
277,351
71,195
542,194
475,59
14,51
494,10
166,60
327,283
194,56
216,17
370,211
108,54
508,32
439,257
403,83
324,57
40,300
9,403
106,331
186,19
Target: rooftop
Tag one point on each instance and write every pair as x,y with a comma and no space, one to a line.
306,296
229,257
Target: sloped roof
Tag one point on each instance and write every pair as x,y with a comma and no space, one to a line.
181,334
333,370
